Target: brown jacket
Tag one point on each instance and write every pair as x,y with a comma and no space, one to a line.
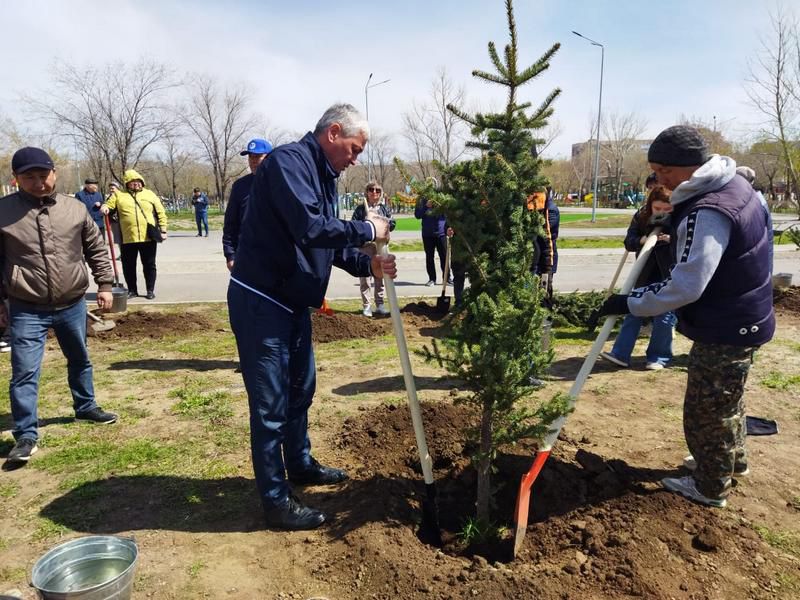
44,247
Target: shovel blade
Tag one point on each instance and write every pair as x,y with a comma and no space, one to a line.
429,530
443,304
524,499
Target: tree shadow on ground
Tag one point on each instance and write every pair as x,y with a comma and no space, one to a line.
396,383
174,364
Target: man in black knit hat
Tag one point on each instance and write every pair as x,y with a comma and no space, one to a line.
721,289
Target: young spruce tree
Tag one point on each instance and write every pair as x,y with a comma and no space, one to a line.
496,340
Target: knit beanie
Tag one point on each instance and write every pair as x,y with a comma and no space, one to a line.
678,146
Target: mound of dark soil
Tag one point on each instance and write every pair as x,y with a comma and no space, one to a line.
155,325
598,528
787,299
346,326
418,317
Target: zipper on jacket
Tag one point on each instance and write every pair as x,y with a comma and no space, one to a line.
44,253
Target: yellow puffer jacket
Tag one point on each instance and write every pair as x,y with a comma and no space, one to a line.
133,219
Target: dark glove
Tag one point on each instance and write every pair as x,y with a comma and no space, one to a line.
615,304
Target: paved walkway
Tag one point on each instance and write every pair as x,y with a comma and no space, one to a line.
192,269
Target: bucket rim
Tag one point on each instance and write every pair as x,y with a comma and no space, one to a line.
68,545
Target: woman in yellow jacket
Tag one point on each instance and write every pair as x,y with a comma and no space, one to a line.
137,208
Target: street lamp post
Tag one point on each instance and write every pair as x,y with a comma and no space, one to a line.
599,113
366,106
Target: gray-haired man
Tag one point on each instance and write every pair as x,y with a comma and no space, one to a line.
288,244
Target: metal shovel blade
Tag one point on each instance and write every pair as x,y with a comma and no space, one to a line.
443,304
99,325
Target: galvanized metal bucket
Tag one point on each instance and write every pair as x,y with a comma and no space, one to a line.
119,299
781,280
97,567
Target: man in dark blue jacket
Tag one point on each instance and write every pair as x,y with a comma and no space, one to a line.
288,244
93,201
257,150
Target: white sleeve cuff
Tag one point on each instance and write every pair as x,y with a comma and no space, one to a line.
374,231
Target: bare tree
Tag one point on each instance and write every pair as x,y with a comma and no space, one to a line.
772,86
173,160
622,132
549,135
114,112
433,132
383,153
221,121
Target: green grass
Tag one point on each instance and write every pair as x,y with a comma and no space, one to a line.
563,243
193,570
786,541
84,459
410,223
590,242
184,220
8,489
10,574
775,380
194,401
46,529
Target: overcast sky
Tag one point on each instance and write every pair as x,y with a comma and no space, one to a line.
663,58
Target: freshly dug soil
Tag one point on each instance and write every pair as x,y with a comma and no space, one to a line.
787,299
346,326
598,528
154,325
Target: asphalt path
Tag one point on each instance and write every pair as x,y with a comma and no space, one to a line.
192,269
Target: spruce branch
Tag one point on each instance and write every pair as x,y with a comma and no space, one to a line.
490,77
498,64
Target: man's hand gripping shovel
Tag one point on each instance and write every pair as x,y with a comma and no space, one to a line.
543,453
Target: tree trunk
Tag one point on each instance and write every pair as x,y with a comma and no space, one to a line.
484,465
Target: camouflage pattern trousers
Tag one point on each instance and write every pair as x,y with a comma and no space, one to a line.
713,414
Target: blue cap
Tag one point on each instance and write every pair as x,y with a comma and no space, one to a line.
29,158
257,146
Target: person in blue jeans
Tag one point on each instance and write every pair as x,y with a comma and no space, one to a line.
659,349
46,241
200,203
289,241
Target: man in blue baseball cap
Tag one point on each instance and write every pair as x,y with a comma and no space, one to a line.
256,151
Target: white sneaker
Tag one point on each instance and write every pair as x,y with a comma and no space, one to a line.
686,487
691,464
654,366
381,310
611,358
367,312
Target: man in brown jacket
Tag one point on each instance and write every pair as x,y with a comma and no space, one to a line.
46,239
